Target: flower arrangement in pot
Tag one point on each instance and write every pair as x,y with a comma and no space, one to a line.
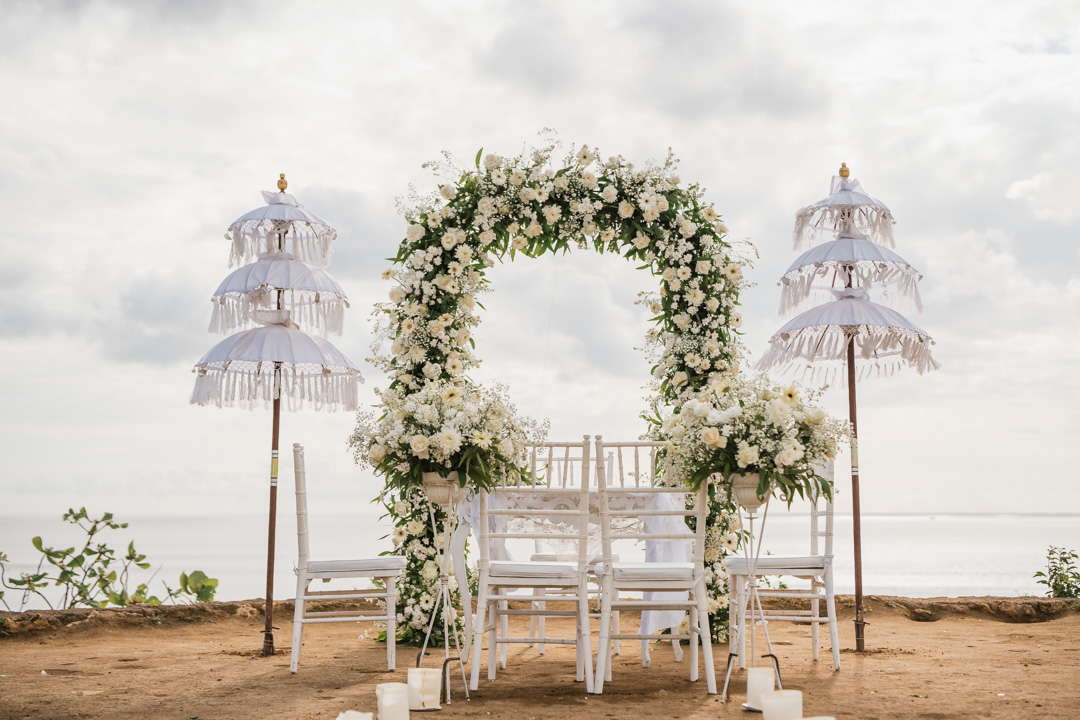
752,435
449,435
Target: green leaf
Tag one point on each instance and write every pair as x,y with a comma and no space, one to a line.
37,544
478,154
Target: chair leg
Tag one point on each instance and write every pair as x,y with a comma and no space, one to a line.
603,649
541,624
615,621
693,644
493,635
706,639
584,637
391,622
478,633
298,622
504,632
815,612
830,607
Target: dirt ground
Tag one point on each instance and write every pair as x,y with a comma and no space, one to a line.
980,658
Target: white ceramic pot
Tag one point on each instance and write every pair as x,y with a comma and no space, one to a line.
443,491
744,489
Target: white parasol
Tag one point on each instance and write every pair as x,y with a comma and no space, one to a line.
847,202
254,368
823,342
261,230
260,366
852,255
312,297
815,343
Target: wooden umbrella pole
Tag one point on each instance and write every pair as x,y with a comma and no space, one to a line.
856,521
268,632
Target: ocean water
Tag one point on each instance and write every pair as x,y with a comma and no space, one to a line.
911,555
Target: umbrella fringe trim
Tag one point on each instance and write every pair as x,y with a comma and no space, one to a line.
867,273
233,312
874,222
250,389
882,350
309,243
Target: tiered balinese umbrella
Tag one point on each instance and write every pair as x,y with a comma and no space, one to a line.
257,367
827,340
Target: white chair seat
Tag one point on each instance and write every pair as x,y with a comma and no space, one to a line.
532,569
631,571
552,557
737,565
389,563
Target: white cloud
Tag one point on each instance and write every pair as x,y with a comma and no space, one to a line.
140,132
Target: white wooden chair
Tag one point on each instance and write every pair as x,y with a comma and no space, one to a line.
635,505
815,568
564,471
520,510
385,569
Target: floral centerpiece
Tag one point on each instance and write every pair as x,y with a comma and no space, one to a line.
746,425
446,427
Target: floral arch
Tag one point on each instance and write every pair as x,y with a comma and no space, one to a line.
523,205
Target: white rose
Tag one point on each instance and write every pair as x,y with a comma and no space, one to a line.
397,295
679,378
376,453
703,267
626,210
712,304
418,444
491,161
415,232
609,193
448,191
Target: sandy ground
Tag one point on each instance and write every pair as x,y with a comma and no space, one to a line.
963,658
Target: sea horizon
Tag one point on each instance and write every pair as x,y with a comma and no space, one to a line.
940,554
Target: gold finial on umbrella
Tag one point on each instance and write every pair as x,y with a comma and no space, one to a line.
844,172
282,183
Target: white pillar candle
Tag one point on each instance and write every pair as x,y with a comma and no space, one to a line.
758,681
782,705
393,701
425,684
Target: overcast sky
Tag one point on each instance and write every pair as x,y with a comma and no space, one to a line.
132,134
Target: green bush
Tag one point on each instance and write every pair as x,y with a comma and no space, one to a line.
1062,579
94,576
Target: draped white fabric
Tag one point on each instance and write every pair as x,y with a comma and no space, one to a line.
313,298
871,265
309,236
846,204
240,371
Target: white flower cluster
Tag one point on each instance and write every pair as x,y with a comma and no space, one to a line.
446,425
747,424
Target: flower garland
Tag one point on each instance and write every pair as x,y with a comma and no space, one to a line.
522,205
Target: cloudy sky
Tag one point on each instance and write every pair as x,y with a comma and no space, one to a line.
133,133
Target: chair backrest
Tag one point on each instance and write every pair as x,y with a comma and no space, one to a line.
301,506
637,504
546,504
821,518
